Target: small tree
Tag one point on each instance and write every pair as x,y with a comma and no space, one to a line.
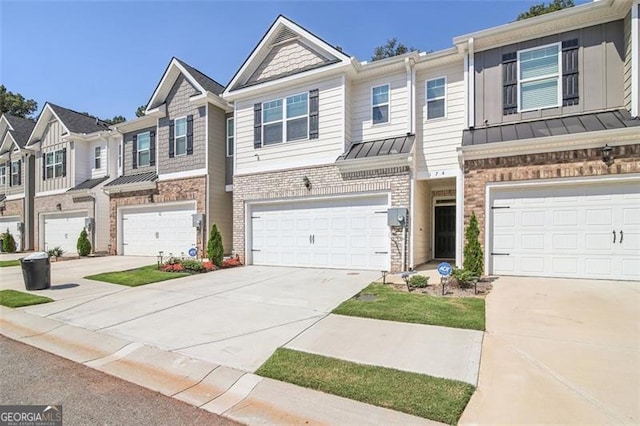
215,251
542,8
8,242
83,245
473,256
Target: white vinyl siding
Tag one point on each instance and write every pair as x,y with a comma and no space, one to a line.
97,157
539,82
3,177
437,140
436,98
303,153
144,144
362,127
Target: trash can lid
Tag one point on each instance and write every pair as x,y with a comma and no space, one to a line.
37,255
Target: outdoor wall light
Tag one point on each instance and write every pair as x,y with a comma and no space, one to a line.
307,183
59,207
607,158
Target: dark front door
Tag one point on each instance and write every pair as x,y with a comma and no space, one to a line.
445,232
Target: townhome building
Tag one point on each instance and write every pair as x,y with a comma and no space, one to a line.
73,160
551,153
16,180
345,164
171,181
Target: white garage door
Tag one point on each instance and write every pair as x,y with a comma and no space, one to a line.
338,233
148,230
63,231
584,231
11,223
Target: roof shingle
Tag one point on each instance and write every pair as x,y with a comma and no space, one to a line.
77,122
22,128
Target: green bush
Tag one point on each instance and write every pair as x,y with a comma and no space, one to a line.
463,277
473,256
8,243
190,265
83,245
215,250
55,252
418,281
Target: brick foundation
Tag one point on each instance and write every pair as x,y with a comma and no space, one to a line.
44,205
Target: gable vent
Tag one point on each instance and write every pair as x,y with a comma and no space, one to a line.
283,35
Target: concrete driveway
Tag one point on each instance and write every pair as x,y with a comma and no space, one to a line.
559,351
234,317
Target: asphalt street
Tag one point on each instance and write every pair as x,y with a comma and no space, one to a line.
31,376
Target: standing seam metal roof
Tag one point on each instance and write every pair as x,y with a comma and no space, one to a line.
379,147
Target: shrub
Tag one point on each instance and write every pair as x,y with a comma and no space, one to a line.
463,277
8,242
230,263
83,245
418,281
192,265
215,250
172,267
208,266
473,256
55,252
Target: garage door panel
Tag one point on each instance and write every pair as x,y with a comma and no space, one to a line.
63,231
564,242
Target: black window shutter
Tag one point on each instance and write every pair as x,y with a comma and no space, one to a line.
313,113
189,134
44,166
257,126
134,149
152,148
64,162
9,172
570,94
19,182
509,83
171,147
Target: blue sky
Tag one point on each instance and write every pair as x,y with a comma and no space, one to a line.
107,57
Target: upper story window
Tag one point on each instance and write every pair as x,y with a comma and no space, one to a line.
144,149
290,123
436,98
180,136
380,104
539,83
3,176
120,156
15,173
230,137
54,164
97,158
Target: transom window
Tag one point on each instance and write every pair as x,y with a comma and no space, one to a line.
285,124
53,164
15,173
180,136
539,83
144,152
3,175
230,137
380,104
97,158
436,98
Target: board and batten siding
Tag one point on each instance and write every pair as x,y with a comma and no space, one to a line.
600,65
437,139
305,153
220,201
52,141
362,127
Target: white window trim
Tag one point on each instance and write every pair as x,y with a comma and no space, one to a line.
544,77
388,103
3,176
443,97
53,164
138,150
16,174
284,120
230,154
97,158
175,137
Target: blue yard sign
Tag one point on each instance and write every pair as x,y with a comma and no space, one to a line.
444,269
193,251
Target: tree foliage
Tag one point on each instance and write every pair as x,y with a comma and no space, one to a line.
392,48
8,242
542,8
215,250
83,245
140,111
16,104
473,256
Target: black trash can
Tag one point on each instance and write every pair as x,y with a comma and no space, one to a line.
36,271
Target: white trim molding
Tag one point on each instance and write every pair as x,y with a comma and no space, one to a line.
182,175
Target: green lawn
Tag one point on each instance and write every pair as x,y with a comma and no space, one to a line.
393,305
7,263
420,395
136,277
16,299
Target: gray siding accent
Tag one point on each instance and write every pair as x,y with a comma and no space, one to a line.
16,189
228,172
128,153
600,60
178,106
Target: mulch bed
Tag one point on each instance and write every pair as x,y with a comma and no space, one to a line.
451,289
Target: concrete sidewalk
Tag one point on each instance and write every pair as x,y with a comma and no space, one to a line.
240,396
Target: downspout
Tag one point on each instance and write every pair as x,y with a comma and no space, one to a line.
409,65
459,209
472,85
635,59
